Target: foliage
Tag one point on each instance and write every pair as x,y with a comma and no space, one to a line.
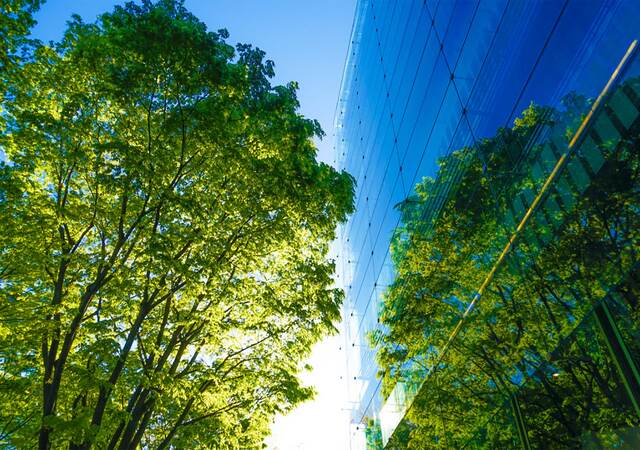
373,435
16,18
523,337
163,249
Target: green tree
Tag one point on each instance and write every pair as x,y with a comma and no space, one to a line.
163,249
16,19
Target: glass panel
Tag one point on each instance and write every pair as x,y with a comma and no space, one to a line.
577,400
487,116
532,332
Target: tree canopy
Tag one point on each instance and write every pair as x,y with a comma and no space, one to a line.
16,18
533,337
163,248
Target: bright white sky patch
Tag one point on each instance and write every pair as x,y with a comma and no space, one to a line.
320,424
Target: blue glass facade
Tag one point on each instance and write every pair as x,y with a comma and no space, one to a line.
424,79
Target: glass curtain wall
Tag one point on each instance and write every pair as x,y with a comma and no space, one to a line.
452,117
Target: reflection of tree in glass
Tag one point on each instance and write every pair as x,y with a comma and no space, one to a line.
373,434
522,338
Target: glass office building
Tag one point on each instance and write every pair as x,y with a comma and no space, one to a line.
491,267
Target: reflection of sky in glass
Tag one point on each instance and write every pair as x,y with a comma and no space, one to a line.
424,80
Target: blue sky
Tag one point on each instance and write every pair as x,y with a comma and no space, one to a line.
307,39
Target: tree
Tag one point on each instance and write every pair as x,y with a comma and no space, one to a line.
16,18
163,255
533,337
